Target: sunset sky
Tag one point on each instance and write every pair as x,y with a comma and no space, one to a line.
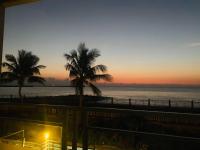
141,41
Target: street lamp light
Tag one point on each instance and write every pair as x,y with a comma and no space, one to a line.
46,137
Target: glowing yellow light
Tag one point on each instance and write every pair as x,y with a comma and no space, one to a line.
46,135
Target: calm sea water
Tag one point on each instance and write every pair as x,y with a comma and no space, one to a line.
124,92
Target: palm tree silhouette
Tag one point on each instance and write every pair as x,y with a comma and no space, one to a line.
83,72
22,69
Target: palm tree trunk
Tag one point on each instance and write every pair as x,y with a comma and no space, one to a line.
81,97
81,101
83,120
20,91
77,119
84,130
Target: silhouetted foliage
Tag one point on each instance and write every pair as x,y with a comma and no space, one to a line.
83,71
22,69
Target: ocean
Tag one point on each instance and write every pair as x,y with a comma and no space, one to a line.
137,92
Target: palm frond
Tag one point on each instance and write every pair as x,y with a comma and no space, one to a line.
93,53
68,57
72,59
34,61
40,66
73,72
80,64
36,70
71,56
23,67
95,90
74,54
97,77
69,67
81,47
21,56
99,68
77,84
8,66
90,56
11,58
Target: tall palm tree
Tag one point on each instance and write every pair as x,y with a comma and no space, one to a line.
83,72
22,69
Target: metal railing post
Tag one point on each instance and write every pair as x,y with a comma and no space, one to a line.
23,139
169,103
149,102
129,102
192,104
112,101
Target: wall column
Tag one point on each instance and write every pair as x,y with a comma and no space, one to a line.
2,19
85,130
74,130
64,131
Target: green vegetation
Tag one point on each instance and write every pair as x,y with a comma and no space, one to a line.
22,69
83,71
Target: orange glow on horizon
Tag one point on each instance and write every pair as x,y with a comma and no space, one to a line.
130,78
156,79
137,78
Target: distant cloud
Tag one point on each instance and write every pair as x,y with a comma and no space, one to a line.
195,44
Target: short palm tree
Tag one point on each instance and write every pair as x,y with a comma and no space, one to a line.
22,69
83,72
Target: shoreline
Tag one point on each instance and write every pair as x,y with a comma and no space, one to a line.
118,85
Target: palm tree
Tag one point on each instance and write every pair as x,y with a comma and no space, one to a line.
22,69
83,72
